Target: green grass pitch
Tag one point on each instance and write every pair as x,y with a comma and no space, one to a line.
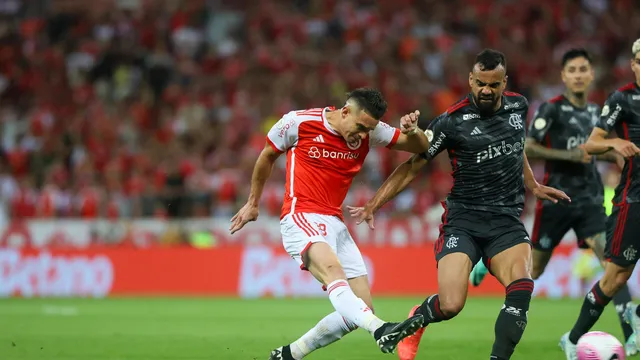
230,329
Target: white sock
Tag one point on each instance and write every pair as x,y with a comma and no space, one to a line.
352,307
328,330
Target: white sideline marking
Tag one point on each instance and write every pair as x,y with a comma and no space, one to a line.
60,310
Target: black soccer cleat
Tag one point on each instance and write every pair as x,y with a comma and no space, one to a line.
390,334
281,353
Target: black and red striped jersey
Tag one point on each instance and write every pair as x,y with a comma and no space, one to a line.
621,113
558,124
486,154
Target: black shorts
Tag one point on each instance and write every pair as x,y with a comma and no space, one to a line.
553,221
623,234
479,234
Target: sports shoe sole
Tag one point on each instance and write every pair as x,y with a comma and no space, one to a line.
388,342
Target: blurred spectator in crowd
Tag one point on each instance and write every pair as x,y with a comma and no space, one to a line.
149,108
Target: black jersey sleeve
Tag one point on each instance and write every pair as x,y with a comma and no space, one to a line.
440,133
612,111
544,116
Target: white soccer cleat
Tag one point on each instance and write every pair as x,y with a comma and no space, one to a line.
630,347
568,348
632,319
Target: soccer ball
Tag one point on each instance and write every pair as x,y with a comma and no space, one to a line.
598,345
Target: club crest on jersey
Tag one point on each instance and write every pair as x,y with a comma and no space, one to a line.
515,120
605,110
354,144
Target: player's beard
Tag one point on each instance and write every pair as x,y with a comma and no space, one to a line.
487,106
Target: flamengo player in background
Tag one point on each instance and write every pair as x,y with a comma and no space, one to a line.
621,112
325,150
484,135
560,128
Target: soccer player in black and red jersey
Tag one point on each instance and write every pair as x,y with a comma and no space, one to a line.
621,113
484,135
557,134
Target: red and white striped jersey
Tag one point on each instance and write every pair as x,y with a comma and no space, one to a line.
320,163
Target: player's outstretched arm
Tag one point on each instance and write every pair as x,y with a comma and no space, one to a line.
261,172
540,191
411,138
395,183
599,144
535,150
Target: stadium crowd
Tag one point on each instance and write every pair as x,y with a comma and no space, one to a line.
139,108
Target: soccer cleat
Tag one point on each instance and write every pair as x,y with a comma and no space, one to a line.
632,319
390,334
408,348
478,273
568,347
630,347
281,353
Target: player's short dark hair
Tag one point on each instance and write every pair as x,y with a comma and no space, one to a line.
371,100
574,54
490,59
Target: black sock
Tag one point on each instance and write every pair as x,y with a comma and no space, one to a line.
637,310
512,319
430,309
286,353
592,307
620,300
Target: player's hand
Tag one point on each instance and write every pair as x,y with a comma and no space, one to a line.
625,148
409,123
548,193
585,157
362,214
247,213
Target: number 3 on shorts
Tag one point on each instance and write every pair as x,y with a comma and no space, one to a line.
322,228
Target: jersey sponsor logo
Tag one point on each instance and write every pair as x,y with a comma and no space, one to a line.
471,116
614,115
476,131
354,144
497,150
566,108
284,126
539,123
436,145
575,141
512,106
635,97
573,121
515,120
318,138
316,153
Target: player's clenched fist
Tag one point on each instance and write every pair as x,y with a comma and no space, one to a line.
409,123
247,213
626,148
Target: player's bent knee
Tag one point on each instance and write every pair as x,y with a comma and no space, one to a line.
614,278
451,305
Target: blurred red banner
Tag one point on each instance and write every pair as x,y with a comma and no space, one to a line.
249,271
